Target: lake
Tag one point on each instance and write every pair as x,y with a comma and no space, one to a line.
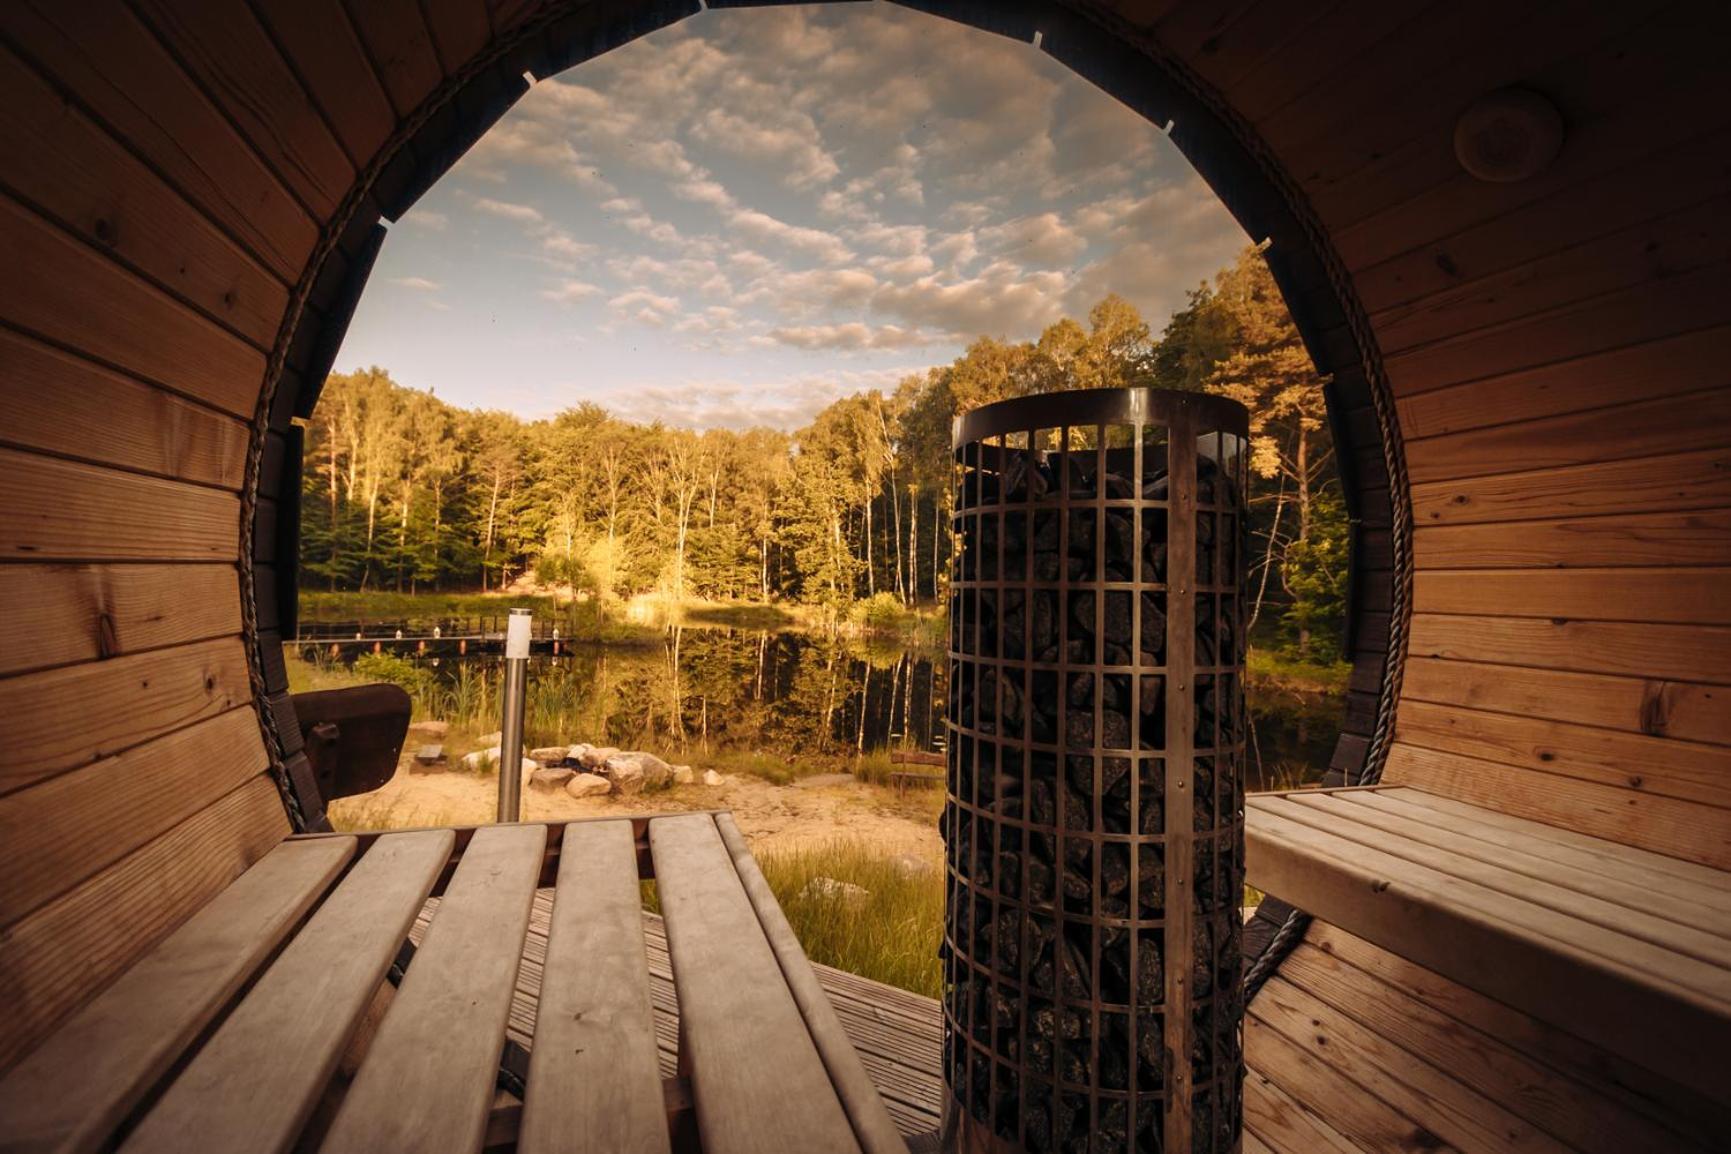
781,703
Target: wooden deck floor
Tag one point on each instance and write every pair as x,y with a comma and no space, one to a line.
1349,1048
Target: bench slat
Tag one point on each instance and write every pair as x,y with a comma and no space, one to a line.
1587,979
1703,883
1664,894
1554,888
872,1124
594,1071
84,1080
757,1077
255,1082
427,1080
1482,889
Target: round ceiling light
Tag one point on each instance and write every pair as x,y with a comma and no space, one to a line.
1507,135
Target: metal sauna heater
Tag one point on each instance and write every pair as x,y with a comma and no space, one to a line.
1094,817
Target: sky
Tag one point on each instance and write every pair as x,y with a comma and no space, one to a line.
740,218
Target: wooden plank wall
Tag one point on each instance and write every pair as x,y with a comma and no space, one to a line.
160,190
1558,350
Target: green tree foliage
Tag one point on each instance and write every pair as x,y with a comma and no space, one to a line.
405,492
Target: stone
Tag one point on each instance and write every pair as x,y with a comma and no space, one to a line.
710,777
482,760
549,754
574,753
494,738
595,756
428,754
684,775
588,785
431,728
635,772
829,889
550,778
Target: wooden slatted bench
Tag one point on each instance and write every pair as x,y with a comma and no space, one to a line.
229,1035
1625,948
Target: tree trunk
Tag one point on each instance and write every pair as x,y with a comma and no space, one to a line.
1303,462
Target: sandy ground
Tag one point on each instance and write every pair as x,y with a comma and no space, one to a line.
772,817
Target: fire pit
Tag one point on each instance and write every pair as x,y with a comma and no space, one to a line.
1094,818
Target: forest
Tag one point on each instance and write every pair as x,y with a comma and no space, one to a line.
404,492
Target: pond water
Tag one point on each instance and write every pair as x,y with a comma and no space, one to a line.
793,699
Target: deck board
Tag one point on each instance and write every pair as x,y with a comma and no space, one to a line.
1553,1088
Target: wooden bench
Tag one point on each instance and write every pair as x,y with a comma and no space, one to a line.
1622,947
229,1035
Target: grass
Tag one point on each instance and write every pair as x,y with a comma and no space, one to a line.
1267,668
890,935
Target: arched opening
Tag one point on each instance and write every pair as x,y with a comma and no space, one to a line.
1249,191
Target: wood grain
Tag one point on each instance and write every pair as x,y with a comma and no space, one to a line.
89,182
1671,652
1671,1014
1687,830
428,1077
65,614
1648,485
252,1086
54,510
79,297
51,399
1643,539
593,1069
79,1086
1685,770
68,951
1676,596
743,1039
110,61
320,42
48,724
59,832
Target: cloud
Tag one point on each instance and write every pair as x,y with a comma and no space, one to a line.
521,213
571,291
418,283
1044,240
422,218
643,307
812,242
852,335
784,402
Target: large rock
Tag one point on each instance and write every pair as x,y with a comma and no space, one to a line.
594,757
710,777
587,785
494,738
550,778
635,772
550,754
684,775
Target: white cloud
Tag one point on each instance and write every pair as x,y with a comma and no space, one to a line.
1044,239
418,283
571,291
643,307
521,213
812,242
422,218
852,335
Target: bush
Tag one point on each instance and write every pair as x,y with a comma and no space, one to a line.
417,680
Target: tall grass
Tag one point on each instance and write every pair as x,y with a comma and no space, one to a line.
891,935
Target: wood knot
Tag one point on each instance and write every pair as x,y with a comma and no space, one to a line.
210,683
1378,887
1447,265
105,230
1637,781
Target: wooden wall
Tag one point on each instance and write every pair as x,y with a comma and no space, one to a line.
189,195
1559,350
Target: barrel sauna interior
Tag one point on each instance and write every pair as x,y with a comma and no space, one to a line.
1528,391
1094,819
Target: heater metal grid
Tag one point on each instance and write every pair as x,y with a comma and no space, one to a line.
1094,814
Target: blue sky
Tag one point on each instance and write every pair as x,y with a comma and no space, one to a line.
738,219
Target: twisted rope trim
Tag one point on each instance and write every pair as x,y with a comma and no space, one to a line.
329,236
1292,930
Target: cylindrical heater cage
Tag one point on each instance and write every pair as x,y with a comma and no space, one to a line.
1094,818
